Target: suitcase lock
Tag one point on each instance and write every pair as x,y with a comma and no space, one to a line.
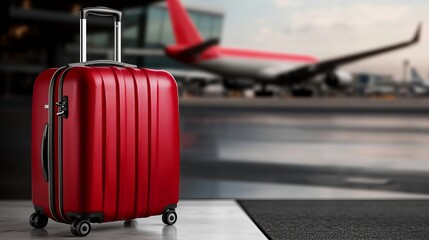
63,110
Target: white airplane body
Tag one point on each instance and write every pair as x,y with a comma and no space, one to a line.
264,68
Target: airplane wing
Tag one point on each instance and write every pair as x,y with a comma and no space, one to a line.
306,72
199,48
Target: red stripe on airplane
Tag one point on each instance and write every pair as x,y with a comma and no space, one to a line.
231,52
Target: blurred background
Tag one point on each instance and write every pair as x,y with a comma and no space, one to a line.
368,138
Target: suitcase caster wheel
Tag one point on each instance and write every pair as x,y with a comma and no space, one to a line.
169,217
38,220
80,228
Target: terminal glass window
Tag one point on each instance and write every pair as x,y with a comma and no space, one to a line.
159,30
167,36
131,26
155,22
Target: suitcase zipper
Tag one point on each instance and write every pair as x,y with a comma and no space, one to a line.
50,152
62,113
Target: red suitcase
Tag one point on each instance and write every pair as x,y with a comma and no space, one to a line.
105,141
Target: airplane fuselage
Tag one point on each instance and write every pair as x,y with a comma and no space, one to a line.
240,63
258,69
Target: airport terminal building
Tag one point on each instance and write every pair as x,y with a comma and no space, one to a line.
28,46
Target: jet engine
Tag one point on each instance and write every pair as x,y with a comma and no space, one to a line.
238,84
339,79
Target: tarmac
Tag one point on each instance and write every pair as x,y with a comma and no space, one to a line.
211,220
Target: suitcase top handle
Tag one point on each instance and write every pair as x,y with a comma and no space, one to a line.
103,12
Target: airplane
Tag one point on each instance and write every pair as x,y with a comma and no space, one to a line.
242,69
418,85
382,86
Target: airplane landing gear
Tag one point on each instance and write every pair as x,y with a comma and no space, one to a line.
263,92
302,92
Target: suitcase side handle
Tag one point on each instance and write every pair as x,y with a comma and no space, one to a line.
101,11
44,153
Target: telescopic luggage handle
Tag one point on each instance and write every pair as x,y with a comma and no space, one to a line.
104,12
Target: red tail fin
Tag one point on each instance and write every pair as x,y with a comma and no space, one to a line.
185,31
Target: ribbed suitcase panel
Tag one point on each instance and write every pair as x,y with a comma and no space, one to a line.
84,137
111,143
164,169
128,158
142,130
119,154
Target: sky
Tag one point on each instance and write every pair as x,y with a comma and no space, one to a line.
329,28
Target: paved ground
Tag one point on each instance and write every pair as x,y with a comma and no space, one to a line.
211,220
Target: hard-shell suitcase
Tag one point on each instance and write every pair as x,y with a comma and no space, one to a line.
105,141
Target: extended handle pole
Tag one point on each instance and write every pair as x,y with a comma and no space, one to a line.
117,41
100,11
82,43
